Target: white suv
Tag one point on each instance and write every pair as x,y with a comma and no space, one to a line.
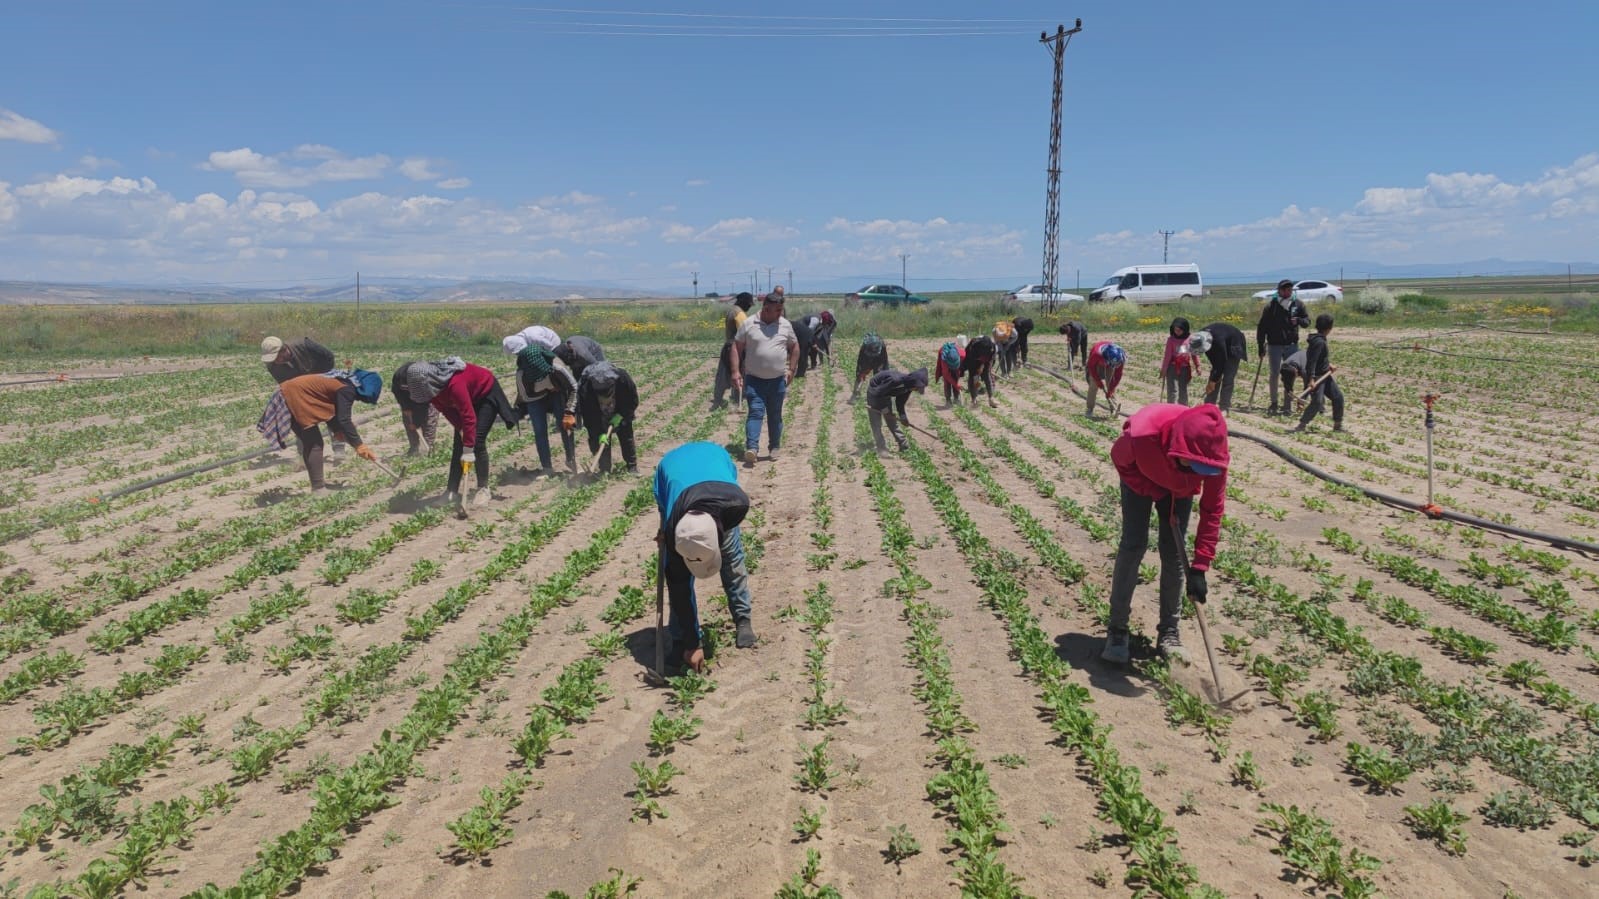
1309,292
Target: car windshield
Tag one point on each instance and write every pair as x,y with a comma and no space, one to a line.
1025,288
1113,279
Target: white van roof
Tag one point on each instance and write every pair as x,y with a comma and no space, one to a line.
1159,267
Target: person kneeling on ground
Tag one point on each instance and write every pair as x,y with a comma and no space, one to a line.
1166,455
892,389
607,398
312,400
1104,366
701,506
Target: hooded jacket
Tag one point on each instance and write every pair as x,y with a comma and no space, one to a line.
979,356
1097,369
894,387
1146,455
460,398
579,353
600,379
1177,349
1280,322
950,376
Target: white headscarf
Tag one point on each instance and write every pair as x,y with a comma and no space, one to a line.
538,334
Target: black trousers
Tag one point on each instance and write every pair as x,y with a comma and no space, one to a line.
487,415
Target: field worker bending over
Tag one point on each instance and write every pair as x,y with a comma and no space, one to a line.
579,353
469,397
1179,364
1165,456
607,398
1225,349
824,340
312,400
805,332
1277,337
286,359
1076,342
765,355
1024,327
869,360
732,320
421,420
1104,365
948,370
701,506
537,334
978,367
1005,339
886,396
546,388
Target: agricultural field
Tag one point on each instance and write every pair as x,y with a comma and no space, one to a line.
221,685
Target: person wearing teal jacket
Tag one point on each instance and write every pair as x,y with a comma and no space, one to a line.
701,506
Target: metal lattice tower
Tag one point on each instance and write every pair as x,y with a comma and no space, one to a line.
1057,44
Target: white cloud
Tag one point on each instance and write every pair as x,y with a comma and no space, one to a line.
570,198
14,126
92,163
66,188
303,166
678,233
696,182
454,184
418,168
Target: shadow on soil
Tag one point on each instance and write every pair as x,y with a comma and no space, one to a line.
1081,651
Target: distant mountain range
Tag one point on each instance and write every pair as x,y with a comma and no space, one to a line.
455,290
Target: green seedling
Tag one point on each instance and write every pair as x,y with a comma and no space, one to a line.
1440,822
816,769
666,731
655,780
807,825
901,845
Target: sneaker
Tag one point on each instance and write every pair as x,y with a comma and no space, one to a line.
482,498
771,454
746,634
749,457
1338,426
1272,412
1297,429
903,446
1117,649
1170,646
718,404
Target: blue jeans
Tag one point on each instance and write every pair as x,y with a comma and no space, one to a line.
539,411
685,618
764,397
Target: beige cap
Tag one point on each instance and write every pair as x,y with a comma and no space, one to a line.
698,544
270,349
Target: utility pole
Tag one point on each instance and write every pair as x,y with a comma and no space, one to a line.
1057,46
1165,245
790,280
902,258
696,293
768,279
358,296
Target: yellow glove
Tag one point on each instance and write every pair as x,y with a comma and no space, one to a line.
366,453
568,421
466,466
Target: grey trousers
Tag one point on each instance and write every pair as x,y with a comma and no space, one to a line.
877,417
1130,554
1275,357
1177,378
1223,394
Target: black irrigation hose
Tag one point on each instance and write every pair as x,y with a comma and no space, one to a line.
74,379
1408,505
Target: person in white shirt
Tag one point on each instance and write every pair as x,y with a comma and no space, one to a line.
765,355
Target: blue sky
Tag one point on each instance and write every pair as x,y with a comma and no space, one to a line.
637,142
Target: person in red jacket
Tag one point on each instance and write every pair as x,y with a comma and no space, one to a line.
1167,454
470,398
1103,365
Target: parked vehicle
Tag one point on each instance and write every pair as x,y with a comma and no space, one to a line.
1034,293
1152,284
1309,292
891,294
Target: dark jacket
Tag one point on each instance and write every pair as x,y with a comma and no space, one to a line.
1226,343
894,387
1076,337
600,380
979,356
1317,359
867,359
579,353
1280,326
306,357
805,333
698,477
1024,326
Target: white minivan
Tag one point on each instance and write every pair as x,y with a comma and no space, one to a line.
1152,284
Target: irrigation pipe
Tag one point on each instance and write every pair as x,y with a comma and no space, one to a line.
74,379
1408,505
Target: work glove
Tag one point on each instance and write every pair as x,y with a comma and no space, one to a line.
466,466
616,420
366,453
568,422
1197,588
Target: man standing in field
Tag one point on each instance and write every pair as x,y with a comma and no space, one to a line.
1224,348
1166,455
732,320
765,355
701,506
1277,337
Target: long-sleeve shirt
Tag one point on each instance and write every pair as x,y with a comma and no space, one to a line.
1177,356
1226,343
559,381
1146,454
459,399
1106,377
314,399
1317,359
593,409
947,374
895,387
979,356
305,357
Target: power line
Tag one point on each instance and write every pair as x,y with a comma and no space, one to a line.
707,15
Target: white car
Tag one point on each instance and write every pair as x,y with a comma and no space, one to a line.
1034,293
1309,292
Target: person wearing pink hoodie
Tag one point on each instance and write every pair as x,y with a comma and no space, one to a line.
1178,365
1166,455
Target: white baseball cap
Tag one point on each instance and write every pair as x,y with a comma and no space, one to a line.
270,349
698,544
